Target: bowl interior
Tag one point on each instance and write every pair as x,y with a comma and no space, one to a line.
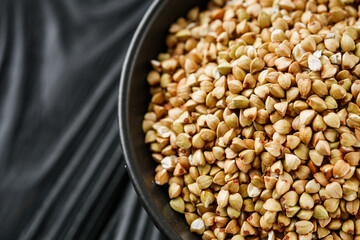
148,41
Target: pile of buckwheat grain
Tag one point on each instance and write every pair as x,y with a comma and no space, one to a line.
254,119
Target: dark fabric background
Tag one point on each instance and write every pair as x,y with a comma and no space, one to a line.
61,171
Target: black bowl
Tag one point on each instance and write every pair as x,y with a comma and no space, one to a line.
148,41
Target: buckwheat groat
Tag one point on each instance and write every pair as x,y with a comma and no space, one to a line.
254,119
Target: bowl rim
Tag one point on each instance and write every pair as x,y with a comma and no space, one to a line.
138,183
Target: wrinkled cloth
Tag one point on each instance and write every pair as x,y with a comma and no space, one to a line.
61,171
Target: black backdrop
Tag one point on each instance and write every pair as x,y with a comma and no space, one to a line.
61,172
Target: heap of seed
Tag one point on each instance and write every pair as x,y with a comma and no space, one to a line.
254,119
